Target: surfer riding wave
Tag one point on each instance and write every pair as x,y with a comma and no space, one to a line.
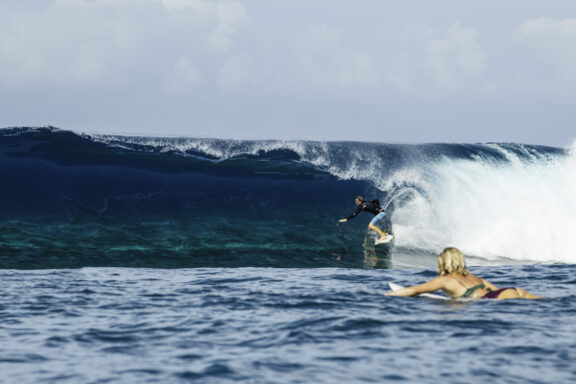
372,206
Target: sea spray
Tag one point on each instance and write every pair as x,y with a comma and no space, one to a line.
522,209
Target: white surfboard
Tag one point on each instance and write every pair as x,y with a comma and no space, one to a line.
386,240
396,287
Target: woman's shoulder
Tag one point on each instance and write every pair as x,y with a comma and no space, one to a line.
468,276
479,280
444,280
460,280
453,278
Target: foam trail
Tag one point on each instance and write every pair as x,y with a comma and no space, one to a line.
517,210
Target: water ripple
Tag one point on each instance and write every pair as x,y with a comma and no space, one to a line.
276,326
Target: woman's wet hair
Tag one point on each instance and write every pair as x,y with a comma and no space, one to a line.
451,260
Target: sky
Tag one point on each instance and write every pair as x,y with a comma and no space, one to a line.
402,71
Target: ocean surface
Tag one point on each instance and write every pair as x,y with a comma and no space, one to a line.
147,259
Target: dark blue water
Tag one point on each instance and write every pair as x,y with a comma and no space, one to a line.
268,325
138,259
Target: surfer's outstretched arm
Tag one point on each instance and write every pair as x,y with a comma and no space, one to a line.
358,201
353,215
429,286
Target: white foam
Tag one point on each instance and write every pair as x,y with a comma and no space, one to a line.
519,210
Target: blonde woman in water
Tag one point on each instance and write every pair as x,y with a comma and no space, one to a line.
454,279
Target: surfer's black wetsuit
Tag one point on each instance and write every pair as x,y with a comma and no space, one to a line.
372,206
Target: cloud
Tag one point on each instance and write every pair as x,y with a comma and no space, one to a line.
550,42
183,78
437,61
235,73
230,16
173,45
221,18
327,63
547,28
456,54
115,43
187,9
206,62
68,43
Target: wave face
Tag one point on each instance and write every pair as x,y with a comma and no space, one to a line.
73,200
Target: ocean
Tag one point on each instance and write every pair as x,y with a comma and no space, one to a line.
147,259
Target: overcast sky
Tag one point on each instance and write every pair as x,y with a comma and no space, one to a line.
400,71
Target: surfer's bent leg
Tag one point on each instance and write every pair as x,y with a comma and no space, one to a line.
378,230
375,221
